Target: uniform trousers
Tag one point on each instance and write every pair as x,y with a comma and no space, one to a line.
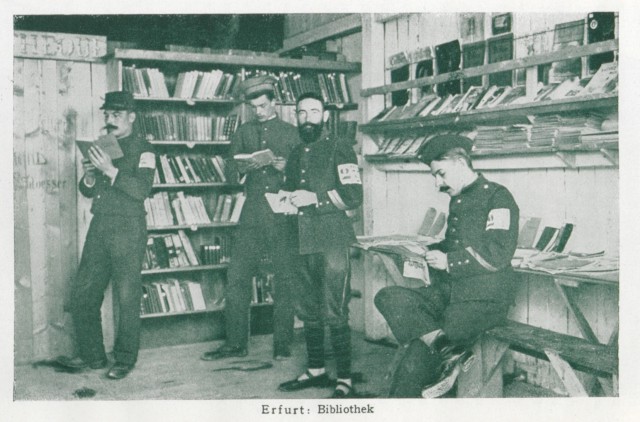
250,244
114,249
412,313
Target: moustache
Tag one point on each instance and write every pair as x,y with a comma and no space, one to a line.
110,127
444,189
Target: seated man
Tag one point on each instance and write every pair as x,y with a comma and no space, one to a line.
472,281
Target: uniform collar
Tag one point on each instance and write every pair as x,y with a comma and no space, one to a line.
479,181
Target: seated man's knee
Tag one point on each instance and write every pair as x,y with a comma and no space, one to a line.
389,298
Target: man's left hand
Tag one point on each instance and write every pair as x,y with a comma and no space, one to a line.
437,260
102,161
279,163
302,198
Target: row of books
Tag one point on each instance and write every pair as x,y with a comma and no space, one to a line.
333,87
172,295
166,209
533,235
176,169
217,253
170,208
206,85
171,250
605,81
187,126
151,83
261,288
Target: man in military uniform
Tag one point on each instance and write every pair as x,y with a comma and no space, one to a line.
260,231
115,243
324,179
472,279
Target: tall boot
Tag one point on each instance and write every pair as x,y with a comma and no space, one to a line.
417,368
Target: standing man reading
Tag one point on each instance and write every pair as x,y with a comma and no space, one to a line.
472,279
115,243
260,231
324,179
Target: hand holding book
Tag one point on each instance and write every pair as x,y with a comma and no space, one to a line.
255,160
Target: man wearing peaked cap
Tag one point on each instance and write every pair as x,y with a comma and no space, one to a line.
118,100
115,243
254,87
437,146
261,232
472,282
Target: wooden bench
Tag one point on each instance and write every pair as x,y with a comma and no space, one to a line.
565,353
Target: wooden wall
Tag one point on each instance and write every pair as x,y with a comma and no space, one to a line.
55,102
397,197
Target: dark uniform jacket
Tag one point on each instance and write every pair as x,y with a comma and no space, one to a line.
329,168
279,137
481,238
132,184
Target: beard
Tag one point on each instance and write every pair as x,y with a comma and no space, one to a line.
310,132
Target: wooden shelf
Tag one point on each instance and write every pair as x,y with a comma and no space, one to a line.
503,115
570,156
172,314
192,227
193,185
234,60
194,268
521,63
189,144
339,107
204,311
188,101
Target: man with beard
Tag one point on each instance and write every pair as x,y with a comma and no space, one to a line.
260,232
324,179
115,243
472,282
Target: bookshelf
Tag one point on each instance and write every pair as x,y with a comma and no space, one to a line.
542,145
188,107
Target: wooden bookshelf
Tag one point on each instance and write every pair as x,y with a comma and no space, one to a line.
194,185
189,269
232,60
502,115
186,124
192,227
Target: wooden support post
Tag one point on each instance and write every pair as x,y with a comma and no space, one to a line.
484,377
576,313
566,374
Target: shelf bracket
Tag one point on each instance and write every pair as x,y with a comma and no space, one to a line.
568,160
610,155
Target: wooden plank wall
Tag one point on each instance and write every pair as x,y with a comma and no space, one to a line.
52,105
396,201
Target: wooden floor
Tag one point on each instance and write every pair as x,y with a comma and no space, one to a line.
178,373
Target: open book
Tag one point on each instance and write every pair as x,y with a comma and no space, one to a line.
280,202
262,158
108,143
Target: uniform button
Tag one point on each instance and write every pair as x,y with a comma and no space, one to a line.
453,230
455,218
458,201
303,181
466,261
459,263
303,171
266,187
301,213
98,197
486,186
306,150
264,171
265,128
456,241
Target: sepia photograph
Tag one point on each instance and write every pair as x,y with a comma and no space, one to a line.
300,214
